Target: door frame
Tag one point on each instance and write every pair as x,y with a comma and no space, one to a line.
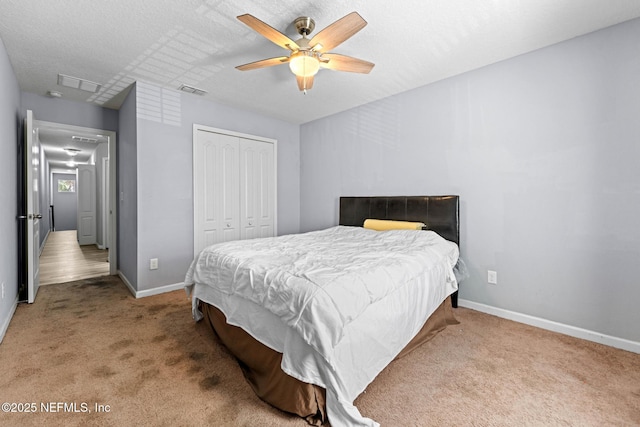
112,151
106,202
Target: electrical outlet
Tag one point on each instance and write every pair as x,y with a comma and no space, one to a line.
2,290
153,264
492,277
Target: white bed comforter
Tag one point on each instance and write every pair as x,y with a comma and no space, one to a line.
339,303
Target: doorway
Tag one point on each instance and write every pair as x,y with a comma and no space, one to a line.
64,148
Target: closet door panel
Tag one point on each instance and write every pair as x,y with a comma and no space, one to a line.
257,189
247,192
216,192
210,218
266,194
230,194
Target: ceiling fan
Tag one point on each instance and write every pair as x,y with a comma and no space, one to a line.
309,55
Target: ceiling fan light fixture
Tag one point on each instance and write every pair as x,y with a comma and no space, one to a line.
304,63
306,55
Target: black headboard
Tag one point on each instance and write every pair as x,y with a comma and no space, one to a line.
440,213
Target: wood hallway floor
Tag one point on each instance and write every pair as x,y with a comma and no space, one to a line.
63,259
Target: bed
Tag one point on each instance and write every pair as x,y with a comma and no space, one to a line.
313,318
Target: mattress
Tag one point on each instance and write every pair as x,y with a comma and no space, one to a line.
338,304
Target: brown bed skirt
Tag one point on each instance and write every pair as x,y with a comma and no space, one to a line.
261,365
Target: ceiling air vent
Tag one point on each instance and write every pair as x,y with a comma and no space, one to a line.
191,89
84,139
78,83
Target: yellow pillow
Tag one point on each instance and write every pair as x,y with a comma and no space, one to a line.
381,225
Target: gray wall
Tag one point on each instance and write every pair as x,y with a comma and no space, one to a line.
543,150
65,205
60,110
165,178
127,194
197,110
10,129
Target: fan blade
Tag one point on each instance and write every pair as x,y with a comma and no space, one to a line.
304,83
338,32
345,63
263,63
269,32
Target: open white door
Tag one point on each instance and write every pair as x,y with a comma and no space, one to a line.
86,186
32,244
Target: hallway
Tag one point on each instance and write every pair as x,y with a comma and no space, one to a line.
64,260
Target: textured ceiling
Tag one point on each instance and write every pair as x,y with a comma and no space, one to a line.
199,42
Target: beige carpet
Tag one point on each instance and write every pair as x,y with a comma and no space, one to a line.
90,342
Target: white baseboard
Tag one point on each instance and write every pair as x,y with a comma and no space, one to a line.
149,292
550,325
44,242
5,322
160,290
127,283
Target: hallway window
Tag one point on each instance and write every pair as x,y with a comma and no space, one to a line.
66,186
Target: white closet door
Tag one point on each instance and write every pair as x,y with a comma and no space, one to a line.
257,188
216,189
